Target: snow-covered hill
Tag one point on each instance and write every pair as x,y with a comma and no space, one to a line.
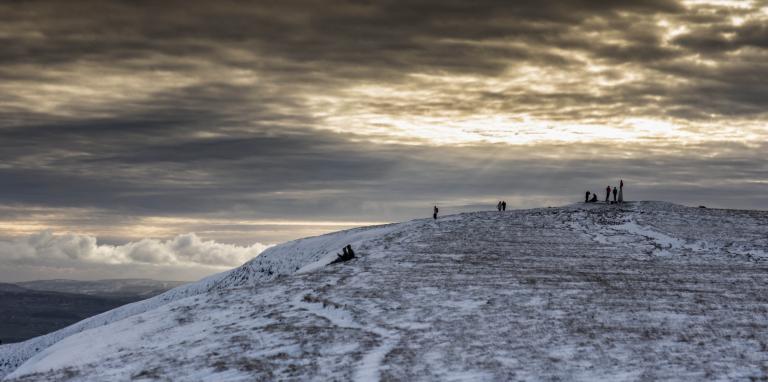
649,290
274,262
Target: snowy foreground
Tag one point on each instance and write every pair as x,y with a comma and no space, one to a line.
646,291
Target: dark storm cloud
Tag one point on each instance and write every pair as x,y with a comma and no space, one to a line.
345,32
354,39
305,47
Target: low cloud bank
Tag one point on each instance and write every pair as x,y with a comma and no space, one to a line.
66,250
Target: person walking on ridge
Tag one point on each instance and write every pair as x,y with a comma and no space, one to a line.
607,194
615,192
503,205
621,191
586,197
434,213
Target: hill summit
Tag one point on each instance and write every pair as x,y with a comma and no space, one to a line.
647,290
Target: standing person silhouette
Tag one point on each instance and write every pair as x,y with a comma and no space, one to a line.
434,213
586,197
503,205
607,194
621,192
615,191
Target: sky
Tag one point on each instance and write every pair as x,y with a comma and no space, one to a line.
177,139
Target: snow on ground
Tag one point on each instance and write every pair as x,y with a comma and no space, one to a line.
645,291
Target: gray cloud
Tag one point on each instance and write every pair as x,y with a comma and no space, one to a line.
301,48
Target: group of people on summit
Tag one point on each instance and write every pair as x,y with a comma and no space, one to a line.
618,195
618,198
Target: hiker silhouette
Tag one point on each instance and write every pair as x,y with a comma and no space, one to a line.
347,254
350,251
621,191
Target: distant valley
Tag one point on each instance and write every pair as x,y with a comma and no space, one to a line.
33,308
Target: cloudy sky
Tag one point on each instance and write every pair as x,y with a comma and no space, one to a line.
174,139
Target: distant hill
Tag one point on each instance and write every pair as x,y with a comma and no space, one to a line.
33,308
144,288
26,313
5,287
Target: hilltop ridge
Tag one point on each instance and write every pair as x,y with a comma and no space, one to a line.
644,290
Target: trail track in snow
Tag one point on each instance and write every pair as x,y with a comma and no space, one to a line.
371,362
644,291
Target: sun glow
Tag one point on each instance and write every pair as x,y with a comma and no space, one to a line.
519,129
417,115
36,219
721,3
